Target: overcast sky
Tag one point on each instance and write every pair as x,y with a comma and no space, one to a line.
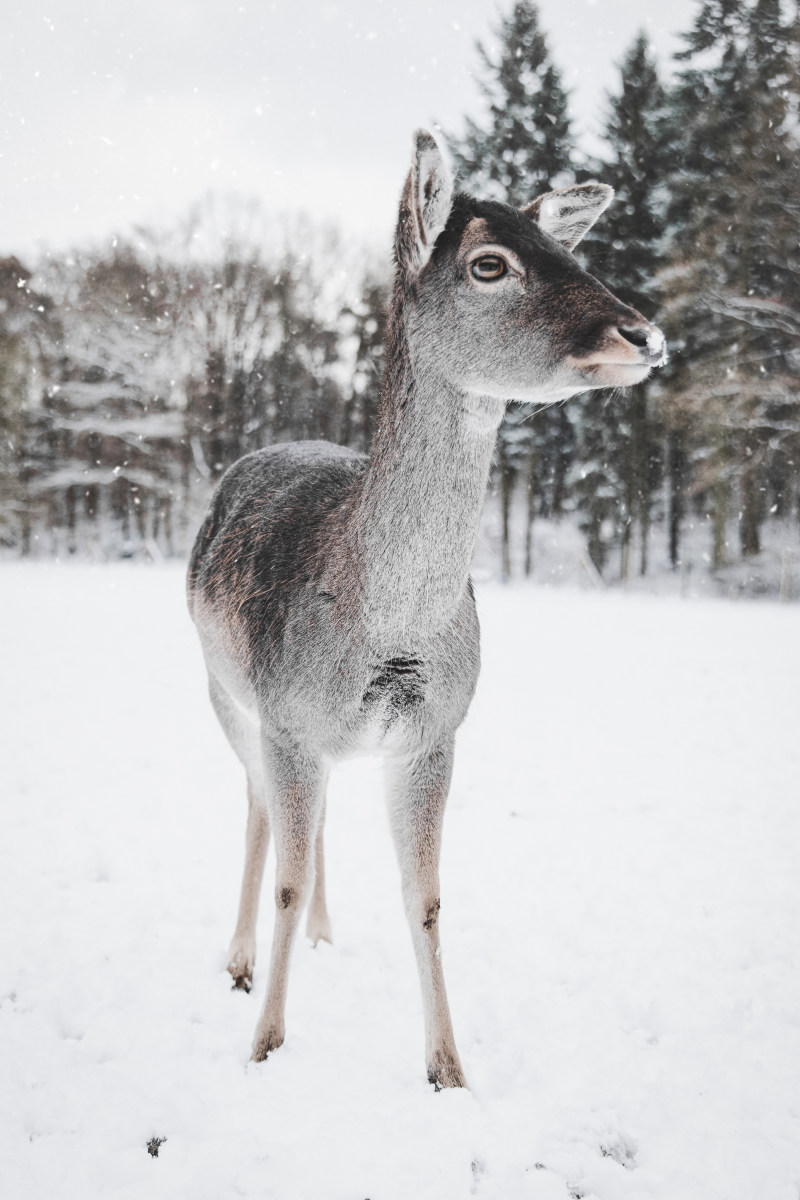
123,112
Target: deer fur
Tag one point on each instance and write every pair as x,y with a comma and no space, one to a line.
331,589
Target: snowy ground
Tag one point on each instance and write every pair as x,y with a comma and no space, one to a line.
620,919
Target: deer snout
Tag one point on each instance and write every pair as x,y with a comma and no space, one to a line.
648,340
626,350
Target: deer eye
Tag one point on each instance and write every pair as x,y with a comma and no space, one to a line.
489,267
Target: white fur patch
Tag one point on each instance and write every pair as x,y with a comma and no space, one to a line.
432,191
568,214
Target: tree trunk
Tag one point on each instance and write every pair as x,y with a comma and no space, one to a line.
676,472
70,500
719,524
625,550
506,494
644,525
752,513
530,509
562,460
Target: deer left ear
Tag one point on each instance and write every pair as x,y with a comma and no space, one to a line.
426,203
567,215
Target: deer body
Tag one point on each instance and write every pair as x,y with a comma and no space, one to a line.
331,590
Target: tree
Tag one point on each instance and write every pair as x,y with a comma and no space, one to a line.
523,147
733,284
29,333
112,417
135,373
367,316
619,452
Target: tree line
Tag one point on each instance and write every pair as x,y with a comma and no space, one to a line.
704,238
132,375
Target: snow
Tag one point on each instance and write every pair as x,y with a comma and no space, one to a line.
619,920
656,344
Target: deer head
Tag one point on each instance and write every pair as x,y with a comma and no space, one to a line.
494,299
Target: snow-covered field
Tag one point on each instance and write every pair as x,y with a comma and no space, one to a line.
620,918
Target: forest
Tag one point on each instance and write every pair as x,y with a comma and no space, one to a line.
134,372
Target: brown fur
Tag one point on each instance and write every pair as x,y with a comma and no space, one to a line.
331,591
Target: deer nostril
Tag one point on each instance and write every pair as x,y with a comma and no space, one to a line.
634,335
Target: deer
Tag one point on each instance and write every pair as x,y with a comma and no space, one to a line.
331,590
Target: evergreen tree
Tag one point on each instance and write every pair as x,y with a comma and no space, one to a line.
734,280
619,454
523,148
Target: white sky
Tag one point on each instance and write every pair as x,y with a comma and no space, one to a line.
124,111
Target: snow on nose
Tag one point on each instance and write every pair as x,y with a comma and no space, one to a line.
648,339
657,346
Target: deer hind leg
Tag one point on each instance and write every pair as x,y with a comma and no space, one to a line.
242,952
296,789
318,923
417,796
242,731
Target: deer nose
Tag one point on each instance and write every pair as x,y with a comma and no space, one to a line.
647,338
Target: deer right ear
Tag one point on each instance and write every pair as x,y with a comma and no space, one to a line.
569,214
426,203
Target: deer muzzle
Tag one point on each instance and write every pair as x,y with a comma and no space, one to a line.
626,354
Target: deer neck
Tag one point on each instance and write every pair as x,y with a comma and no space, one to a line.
418,511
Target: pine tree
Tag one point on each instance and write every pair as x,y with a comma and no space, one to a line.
524,147
619,454
734,278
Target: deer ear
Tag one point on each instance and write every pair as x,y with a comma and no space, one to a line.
426,203
571,212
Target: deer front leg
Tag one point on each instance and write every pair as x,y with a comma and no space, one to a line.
296,796
242,952
417,795
318,923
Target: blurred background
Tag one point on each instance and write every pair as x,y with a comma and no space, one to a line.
195,258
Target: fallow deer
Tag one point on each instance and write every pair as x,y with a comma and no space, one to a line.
331,589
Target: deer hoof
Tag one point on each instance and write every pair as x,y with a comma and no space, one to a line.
445,1071
265,1043
318,928
240,967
